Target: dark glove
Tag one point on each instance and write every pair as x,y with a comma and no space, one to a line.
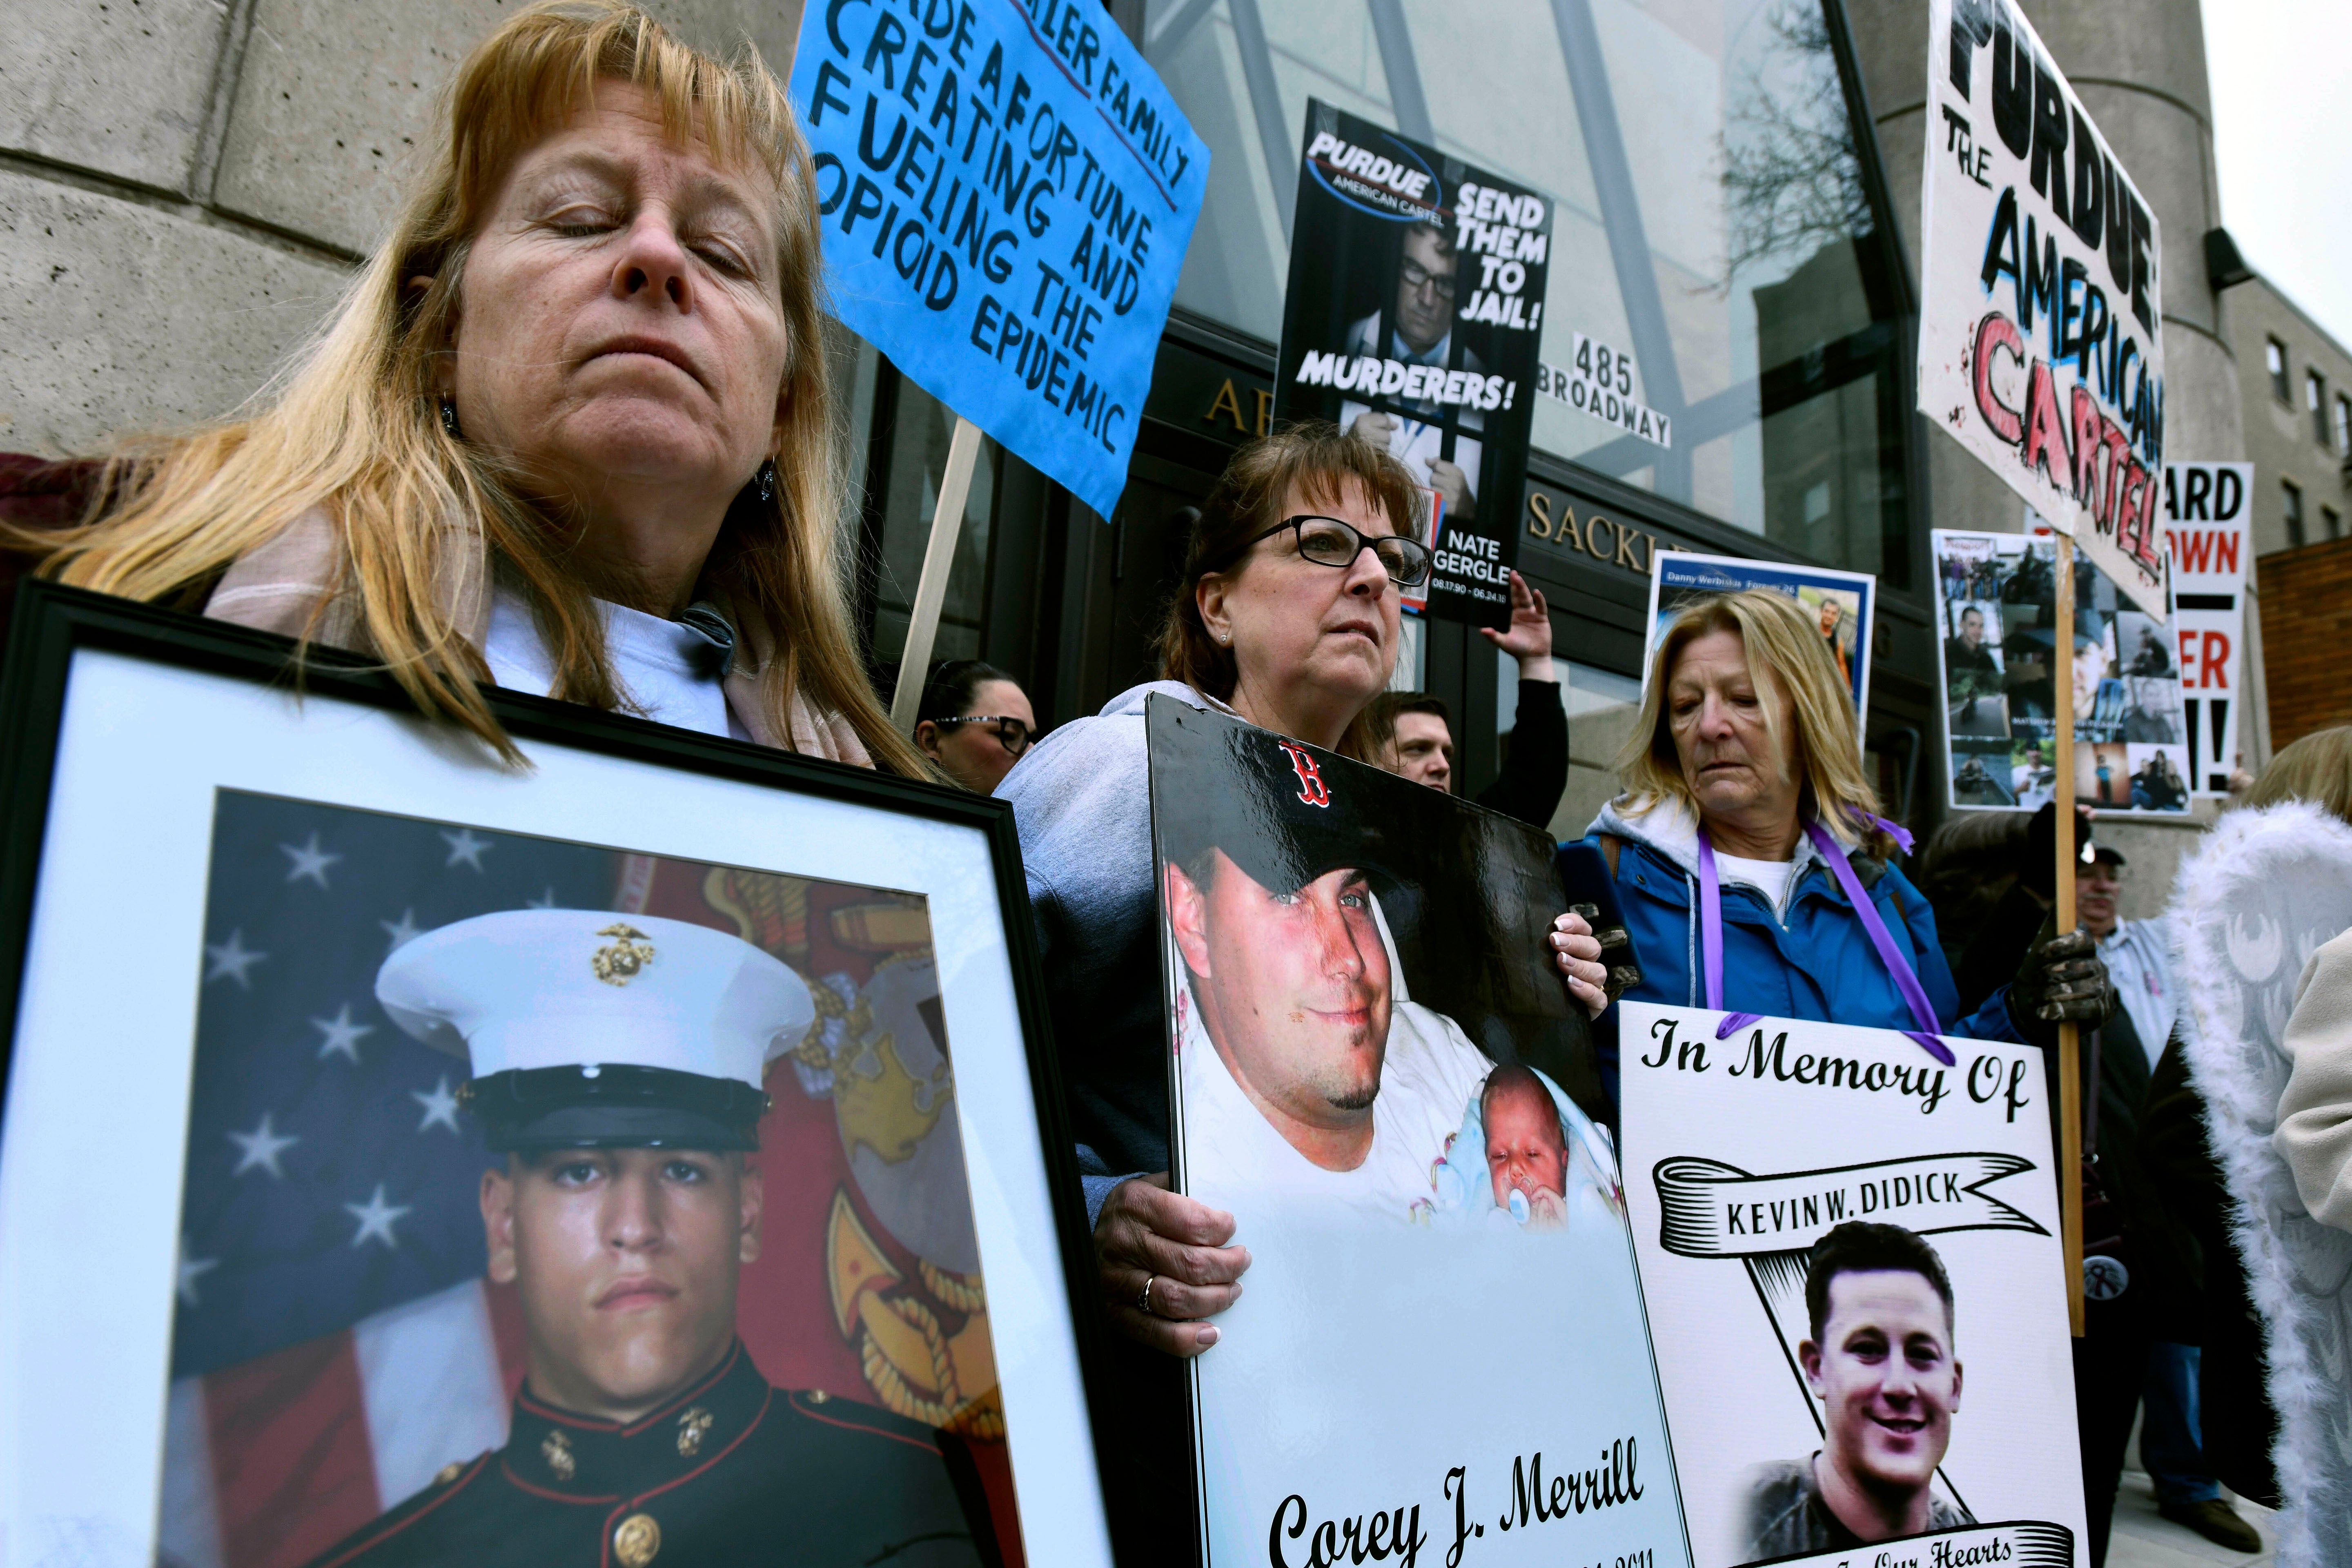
1616,950
2040,871
2061,981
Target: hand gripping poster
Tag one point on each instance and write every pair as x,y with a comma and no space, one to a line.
1441,1354
1849,1253
1413,316
2042,315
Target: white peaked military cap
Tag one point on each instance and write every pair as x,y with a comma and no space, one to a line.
585,1027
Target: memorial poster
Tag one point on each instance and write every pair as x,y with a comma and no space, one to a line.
1849,1252
1843,605
1441,1354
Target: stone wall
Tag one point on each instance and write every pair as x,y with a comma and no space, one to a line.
186,186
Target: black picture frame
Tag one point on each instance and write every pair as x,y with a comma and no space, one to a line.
51,626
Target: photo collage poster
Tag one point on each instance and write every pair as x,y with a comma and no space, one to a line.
1996,607
1413,317
1442,1351
1843,606
1850,1257
348,1349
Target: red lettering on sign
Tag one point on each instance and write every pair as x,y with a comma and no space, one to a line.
2216,659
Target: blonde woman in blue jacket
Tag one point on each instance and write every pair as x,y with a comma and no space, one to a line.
1753,868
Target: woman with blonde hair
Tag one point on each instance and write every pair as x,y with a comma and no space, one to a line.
1751,863
571,430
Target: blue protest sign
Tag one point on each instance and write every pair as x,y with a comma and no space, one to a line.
1008,192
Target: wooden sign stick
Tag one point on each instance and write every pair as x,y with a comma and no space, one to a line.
931,588
2070,1045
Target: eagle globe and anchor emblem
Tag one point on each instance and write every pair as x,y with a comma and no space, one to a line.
878,1055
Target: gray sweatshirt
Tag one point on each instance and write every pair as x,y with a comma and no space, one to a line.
1081,798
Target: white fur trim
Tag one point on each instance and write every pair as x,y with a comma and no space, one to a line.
2264,889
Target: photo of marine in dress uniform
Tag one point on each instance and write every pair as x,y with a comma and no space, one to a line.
617,1063
507,1153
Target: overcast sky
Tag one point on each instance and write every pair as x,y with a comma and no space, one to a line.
2282,141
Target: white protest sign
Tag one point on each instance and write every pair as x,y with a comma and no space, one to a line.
1760,1151
2205,518
2041,339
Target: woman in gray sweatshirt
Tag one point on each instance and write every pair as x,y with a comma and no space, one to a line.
1286,618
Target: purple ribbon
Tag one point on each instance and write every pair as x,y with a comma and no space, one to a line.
1710,937
1894,830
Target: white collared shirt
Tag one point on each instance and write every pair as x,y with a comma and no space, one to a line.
664,667
2139,956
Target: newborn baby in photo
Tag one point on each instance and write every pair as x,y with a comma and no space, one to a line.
1527,1149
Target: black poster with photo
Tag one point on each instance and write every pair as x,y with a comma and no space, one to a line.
1442,1352
1413,317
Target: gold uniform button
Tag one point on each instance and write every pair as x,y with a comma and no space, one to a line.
447,1473
636,1540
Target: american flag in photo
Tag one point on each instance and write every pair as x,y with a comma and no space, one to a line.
333,1343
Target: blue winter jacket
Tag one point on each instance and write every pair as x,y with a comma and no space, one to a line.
1810,958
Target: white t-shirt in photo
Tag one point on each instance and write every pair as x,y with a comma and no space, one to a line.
1432,1070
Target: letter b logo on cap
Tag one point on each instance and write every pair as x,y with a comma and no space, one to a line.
1311,787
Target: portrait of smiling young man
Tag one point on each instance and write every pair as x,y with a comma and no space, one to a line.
617,1069
1879,1356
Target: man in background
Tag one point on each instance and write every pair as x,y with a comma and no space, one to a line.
2138,954
1535,768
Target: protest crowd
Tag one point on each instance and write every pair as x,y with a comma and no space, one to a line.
574,435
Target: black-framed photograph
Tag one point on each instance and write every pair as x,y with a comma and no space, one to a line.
652,1153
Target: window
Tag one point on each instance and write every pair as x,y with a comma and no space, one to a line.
2294,514
915,432
2344,424
1712,222
2332,520
2276,356
2314,397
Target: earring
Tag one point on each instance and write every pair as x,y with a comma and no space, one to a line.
766,478
449,417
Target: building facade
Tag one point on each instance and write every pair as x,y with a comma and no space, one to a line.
2297,387
185,186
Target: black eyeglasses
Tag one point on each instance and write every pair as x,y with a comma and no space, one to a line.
1328,542
1011,732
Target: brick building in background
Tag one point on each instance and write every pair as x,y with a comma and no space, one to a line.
2306,610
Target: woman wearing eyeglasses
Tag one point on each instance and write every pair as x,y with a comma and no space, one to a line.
974,722
1285,616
